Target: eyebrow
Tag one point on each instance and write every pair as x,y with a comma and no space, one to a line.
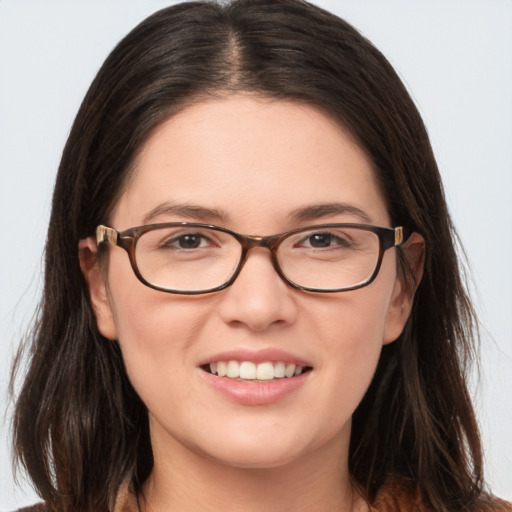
186,210
200,213
319,211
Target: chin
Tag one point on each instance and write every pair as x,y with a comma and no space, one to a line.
256,459
252,452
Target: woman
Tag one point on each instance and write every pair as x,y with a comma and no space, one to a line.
272,334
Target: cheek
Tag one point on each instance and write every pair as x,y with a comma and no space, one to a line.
354,321
355,342
155,333
350,331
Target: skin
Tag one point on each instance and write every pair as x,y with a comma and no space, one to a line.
256,161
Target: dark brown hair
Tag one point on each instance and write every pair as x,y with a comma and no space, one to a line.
79,426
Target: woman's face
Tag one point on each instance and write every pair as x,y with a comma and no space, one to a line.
256,167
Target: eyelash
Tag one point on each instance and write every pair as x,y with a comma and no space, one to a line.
169,243
341,241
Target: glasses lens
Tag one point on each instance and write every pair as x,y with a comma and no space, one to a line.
187,258
329,258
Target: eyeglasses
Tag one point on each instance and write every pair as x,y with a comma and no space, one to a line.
191,258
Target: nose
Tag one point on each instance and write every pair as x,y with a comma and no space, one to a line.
259,298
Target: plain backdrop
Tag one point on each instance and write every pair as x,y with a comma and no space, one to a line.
455,57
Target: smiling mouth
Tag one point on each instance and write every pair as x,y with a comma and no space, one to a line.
255,372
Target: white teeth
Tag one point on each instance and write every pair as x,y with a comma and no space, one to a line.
221,369
265,371
247,370
290,370
279,370
233,370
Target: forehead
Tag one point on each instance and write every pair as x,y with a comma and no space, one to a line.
253,160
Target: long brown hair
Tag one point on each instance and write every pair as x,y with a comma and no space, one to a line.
79,426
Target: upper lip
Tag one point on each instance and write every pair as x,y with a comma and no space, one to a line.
256,356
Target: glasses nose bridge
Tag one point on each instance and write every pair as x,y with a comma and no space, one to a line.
249,242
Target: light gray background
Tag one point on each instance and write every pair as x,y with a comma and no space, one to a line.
454,55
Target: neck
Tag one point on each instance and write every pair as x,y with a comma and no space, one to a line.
189,482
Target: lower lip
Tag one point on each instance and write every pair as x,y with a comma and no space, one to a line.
256,393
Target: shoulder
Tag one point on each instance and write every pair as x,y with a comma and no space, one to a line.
125,500
395,497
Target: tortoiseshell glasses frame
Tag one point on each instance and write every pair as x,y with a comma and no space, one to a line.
128,240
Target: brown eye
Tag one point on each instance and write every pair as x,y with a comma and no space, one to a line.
325,240
189,241
319,240
186,241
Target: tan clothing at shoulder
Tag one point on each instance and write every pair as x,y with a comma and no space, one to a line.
391,498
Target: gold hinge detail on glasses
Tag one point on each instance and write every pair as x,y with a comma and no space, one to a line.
399,235
104,234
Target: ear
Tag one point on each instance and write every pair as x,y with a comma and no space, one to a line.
405,287
96,281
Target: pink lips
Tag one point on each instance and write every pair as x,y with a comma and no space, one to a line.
255,393
248,392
